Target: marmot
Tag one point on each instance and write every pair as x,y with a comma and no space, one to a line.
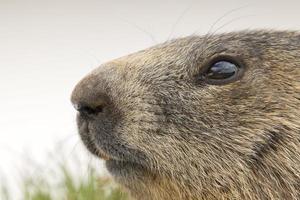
199,117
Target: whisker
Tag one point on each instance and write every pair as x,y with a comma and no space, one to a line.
67,138
179,19
231,21
225,15
152,37
219,28
209,33
74,147
89,168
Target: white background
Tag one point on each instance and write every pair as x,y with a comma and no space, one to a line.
47,46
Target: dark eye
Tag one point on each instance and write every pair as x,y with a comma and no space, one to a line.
221,72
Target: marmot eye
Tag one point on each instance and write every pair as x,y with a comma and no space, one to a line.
221,72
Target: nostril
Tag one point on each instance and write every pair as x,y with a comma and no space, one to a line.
87,110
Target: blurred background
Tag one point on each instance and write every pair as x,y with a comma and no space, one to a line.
46,47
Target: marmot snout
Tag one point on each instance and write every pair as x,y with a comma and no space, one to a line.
200,117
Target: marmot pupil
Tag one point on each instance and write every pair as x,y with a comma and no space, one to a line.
222,70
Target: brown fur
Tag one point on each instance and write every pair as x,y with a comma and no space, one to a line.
168,136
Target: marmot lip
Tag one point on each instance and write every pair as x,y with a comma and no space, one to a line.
102,155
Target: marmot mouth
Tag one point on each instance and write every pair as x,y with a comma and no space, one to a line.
125,169
102,155
106,156
120,167
115,155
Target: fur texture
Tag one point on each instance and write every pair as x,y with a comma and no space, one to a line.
166,135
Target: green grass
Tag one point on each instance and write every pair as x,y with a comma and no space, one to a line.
92,188
66,186
4,194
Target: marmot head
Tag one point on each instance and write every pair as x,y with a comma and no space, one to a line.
199,117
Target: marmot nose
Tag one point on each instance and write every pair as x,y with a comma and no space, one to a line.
89,97
84,109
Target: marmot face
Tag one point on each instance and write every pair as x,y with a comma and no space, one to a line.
212,117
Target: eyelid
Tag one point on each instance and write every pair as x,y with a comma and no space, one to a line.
200,77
